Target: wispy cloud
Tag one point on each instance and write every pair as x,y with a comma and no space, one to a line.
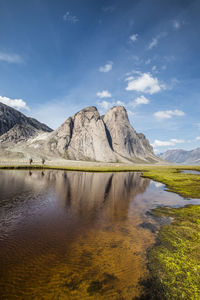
68,17
171,142
148,61
104,94
138,101
11,58
154,68
145,83
107,67
15,103
155,40
153,43
198,138
108,9
133,37
176,24
105,105
168,114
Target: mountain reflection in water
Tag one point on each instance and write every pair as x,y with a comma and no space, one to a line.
75,235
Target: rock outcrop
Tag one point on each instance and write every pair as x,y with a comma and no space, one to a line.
85,136
124,140
16,127
110,138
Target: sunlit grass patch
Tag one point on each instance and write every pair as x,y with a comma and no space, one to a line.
174,262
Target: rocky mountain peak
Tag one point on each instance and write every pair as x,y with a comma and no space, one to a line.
15,126
116,113
84,136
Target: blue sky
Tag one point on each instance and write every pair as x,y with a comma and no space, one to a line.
57,57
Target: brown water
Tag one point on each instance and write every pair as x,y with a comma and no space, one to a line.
75,235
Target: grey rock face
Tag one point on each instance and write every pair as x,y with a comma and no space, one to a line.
182,156
83,137
124,140
15,126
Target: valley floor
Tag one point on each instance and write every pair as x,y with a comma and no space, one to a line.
174,261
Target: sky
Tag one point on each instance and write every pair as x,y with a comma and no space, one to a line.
58,57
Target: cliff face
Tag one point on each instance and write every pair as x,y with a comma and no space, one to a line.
111,138
15,126
84,136
124,140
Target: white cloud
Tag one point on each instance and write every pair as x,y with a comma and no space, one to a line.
171,142
154,68
138,101
129,78
148,61
130,113
145,83
155,40
176,24
68,17
11,58
133,37
168,114
198,138
153,43
107,67
15,103
104,94
105,105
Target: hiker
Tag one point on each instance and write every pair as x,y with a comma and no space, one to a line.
30,161
43,161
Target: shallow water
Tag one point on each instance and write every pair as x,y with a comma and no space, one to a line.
75,235
190,172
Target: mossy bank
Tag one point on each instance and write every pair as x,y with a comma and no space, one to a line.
174,262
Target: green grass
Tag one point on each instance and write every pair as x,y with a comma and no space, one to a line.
174,262
186,185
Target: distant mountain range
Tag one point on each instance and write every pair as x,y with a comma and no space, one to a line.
84,136
191,157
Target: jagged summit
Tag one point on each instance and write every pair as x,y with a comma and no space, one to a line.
189,157
15,126
110,138
124,139
84,136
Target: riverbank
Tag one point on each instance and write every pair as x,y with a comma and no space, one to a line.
174,262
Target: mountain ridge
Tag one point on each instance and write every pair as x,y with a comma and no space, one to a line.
85,136
15,126
182,156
